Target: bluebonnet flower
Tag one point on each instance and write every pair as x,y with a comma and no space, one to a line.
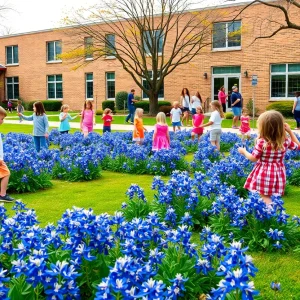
3,288
275,286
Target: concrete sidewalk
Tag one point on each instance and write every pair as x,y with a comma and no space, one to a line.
116,127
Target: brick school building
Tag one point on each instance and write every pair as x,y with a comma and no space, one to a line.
31,70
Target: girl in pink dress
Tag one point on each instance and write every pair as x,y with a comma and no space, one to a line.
268,175
87,118
245,129
197,121
161,137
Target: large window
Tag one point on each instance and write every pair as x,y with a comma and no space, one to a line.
55,86
110,45
88,48
110,85
12,88
146,85
12,55
227,35
155,36
285,80
53,50
89,86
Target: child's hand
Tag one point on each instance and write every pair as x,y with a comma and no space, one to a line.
46,135
287,127
242,150
19,114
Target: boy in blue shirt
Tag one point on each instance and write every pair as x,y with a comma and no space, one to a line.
131,107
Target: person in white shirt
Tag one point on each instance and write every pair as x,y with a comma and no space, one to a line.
196,102
175,114
215,123
186,105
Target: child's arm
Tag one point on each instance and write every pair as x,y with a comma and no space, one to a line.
27,118
207,124
63,117
248,155
168,136
291,133
46,126
154,133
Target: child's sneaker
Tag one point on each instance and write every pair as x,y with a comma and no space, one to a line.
6,198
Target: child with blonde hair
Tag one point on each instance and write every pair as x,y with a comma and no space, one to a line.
175,114
215,122
268,175
245,129
138,129
161,136
197,121
64,118
88,120
107,119
4,171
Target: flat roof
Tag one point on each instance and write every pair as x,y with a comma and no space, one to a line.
220,6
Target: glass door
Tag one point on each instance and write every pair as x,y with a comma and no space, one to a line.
231,81
218,82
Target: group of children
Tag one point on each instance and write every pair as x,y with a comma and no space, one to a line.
268,176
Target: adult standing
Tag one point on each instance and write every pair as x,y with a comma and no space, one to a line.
196,101
186,105
296,109
131,107
236,106
222,98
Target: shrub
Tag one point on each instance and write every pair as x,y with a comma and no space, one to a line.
229,116
28,105
52,105
108,104
99,112
166,109
136,97
249,107
285,107
121,100
145,104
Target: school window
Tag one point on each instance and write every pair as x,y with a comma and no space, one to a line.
12,55
227,35
89,86
153,41
55,86
285,80
146,86
110,85
88,45
53,51
110,45
12,88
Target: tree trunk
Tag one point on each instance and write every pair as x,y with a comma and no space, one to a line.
153,104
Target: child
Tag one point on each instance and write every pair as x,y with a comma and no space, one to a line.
245,124
64,118
161,137
4,171
10,106
138,130
20,110
87,118
268,175
215,122
107,119
175,114
197,121
40,125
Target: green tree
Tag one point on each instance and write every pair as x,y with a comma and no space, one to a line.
150,38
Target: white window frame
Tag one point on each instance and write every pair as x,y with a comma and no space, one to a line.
162,37
55,82
112,56
106,85
13,63
86,81
226,48
12,84
163,98
53,61
286,73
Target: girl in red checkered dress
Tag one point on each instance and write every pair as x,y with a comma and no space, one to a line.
268,175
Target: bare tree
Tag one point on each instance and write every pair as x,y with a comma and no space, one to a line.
150,38
284,14
4,30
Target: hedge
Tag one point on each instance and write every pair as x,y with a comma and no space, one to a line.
285,107
229,116
108,104
165,109
49,105
121,99
145,104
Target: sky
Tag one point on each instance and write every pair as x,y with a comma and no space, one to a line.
33,15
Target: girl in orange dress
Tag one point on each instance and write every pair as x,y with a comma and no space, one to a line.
138,130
